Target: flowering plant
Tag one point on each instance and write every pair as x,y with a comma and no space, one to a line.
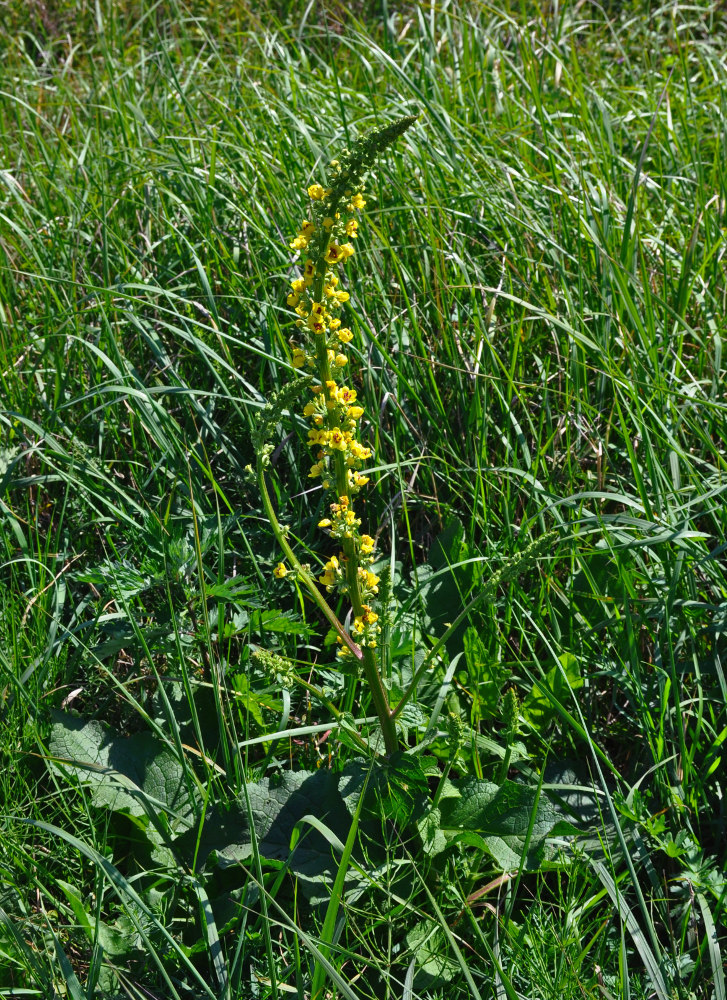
334,410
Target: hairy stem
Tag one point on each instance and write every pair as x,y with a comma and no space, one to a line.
370,666
303,574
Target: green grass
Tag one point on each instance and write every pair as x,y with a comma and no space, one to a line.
539,309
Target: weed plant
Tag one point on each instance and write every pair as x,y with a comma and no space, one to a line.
518,791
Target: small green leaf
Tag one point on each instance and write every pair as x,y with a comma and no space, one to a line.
113,941
538,707
274,620
429,945
487,674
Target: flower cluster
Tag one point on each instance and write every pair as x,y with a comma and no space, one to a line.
315,295
333,409
365,630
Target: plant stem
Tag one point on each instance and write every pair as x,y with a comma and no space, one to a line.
337,715
368,658
303,574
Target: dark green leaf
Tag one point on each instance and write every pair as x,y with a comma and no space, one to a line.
135,774
498,817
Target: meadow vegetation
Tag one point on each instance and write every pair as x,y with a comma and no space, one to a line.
513,785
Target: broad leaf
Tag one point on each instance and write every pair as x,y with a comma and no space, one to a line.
397,789
430,948
497,818
277,805
137,774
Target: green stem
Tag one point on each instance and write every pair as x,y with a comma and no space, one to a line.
440,786
505,764
303,574
338,716
370,666
380,700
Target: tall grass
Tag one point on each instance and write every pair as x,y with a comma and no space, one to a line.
542,286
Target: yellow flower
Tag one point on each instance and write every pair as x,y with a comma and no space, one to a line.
342,296
307,229
346,395
338,440
293,299
316,192
335,253
334,324
280,571
345,335
298,285
367,544
331,571
341,361
325,523
315,470
298,358
299,243
328,222
309,409
318,309
347,249
352,228
358,202
309,270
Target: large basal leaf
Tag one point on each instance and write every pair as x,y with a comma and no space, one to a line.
277,805
135,774
397,789
497,818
